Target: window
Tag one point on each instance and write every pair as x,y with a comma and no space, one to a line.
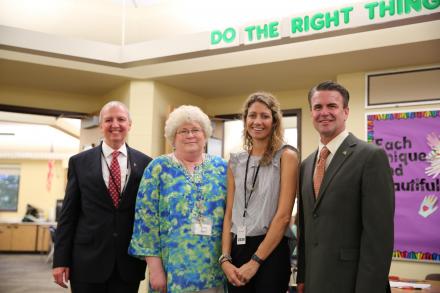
233,131
9,183
410,87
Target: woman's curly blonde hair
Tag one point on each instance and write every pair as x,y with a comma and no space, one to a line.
276,139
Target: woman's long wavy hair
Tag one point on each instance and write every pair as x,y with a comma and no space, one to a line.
276,139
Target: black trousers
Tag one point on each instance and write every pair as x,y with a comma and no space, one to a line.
272,276
113,285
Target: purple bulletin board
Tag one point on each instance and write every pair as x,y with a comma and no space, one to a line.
412,143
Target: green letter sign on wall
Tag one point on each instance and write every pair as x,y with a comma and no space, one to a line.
223,39
356,15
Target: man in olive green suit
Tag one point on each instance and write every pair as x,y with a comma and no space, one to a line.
346,216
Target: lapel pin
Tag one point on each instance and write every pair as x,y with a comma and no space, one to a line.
134,164
344,152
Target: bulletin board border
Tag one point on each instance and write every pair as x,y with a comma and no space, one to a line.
415,256
371,117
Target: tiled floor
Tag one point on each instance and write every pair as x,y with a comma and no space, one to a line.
27,273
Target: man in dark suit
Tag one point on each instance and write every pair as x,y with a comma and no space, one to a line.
346,205
96,221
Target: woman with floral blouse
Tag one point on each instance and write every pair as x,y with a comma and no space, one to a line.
179,210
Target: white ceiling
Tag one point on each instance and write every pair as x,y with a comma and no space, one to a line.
17,137
35,141
142,20
23,134
292,64
286,65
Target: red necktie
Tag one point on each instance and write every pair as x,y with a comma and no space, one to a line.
114,183
320,170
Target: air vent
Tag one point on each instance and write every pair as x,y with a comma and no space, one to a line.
90,122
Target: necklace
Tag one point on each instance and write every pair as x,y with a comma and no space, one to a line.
189,168
195,179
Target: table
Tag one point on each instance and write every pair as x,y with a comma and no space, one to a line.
435,288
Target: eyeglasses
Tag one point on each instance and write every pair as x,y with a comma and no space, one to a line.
187,132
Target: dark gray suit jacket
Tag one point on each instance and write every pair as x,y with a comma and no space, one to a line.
346,235
92,235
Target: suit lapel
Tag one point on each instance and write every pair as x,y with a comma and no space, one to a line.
97,164
307,176
342,154
134,170
133,167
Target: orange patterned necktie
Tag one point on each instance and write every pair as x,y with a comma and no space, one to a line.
114,180
320,170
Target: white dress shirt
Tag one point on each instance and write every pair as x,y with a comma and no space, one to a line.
332,146
122,159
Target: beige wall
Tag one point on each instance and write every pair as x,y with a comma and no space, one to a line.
33,172
121,93
89,136
355,83
413,269
29,97
150,103
138,96
140,103
356,123
295,99
33,191
167,98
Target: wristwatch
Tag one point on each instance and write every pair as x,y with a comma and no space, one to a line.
223,258
257,259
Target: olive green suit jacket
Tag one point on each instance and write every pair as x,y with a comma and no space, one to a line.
346,235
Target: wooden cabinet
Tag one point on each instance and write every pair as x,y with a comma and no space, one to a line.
44,240
5,237
24,237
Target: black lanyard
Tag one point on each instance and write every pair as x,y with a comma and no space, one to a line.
247,200
120,192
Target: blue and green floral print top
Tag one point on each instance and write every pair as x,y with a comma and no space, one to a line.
168,200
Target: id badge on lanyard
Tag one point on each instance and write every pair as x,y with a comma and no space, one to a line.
241,235
201,226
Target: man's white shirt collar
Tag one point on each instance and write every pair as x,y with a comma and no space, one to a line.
335,143
107,150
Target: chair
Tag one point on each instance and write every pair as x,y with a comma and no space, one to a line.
433,277
52,230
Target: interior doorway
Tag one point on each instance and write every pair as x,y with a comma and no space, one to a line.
230,139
